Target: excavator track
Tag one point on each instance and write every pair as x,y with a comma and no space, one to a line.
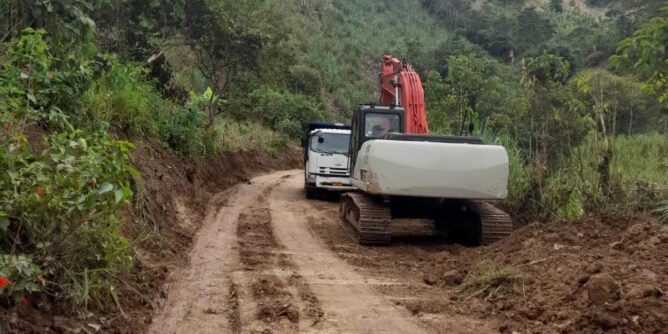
370,219
495,224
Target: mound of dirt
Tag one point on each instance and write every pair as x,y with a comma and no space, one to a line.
590,276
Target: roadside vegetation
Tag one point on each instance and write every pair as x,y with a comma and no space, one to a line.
578,97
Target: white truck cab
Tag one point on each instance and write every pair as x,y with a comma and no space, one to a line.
326,156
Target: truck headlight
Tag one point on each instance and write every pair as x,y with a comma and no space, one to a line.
311,178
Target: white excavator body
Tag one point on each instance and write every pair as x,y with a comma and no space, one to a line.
432,169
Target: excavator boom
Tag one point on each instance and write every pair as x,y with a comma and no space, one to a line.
401,86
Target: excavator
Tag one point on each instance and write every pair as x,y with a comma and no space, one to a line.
401,171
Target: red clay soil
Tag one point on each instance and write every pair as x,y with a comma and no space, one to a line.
166,214
592,276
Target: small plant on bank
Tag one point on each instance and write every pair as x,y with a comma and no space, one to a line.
662,212
488,277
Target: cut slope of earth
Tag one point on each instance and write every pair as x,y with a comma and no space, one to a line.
593,276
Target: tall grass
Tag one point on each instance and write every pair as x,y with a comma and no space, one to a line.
122,99
518,179
489,277
638,170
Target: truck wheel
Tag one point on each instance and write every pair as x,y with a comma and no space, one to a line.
310,193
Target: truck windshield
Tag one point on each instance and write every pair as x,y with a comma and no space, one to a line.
333,143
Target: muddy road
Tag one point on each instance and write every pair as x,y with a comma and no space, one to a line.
264,262
268,261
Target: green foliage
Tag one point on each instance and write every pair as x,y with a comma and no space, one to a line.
66,20
548,68
532,31
121,98
230,39
344,41
647,54
62,207
181,128
623,105
246,135
557,5
638,177
305,80
23,275
40,86
284,112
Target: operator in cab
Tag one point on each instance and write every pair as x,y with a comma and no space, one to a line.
380,126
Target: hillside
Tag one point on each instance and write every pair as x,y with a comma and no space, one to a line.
131,127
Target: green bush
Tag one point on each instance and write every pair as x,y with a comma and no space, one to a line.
60,209
245,135
305,80
19,276
283,111
37,85
182,127
122,99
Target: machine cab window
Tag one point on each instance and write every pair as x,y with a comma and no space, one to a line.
379,125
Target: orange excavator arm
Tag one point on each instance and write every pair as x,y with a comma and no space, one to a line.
401,86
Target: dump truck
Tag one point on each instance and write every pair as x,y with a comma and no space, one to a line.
326,154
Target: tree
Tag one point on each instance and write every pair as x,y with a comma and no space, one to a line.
646,53
532,31
224,40
551,126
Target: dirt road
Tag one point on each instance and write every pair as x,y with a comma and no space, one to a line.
268,261
256,266
260,265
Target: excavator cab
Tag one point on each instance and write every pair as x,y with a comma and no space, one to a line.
373,122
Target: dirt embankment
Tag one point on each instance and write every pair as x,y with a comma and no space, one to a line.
167,211
592,276
598,275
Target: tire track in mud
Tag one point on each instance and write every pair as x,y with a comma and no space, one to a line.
350,303
204,296
258,267
276,297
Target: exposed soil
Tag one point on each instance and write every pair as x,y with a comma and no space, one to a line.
291,267
591,276
276,276
265,260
